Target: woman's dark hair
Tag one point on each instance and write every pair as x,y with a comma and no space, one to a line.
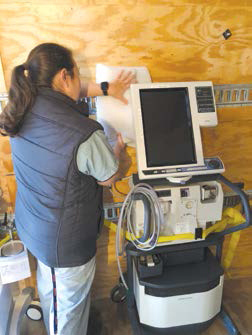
42,64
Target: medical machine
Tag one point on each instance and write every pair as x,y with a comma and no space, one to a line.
167,120
173,212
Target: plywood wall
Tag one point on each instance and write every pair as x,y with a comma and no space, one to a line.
7,179
177,40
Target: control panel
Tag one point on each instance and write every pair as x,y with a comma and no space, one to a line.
206,106
211,165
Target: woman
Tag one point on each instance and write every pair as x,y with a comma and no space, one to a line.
61,160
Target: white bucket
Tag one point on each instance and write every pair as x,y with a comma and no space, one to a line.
14,262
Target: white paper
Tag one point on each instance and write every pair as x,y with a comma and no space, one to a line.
113,114
3,99
2,81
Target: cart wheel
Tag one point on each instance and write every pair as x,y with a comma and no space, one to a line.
34,311
118,293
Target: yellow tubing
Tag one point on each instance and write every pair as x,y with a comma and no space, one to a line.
230,216
4,240
233,243
233,217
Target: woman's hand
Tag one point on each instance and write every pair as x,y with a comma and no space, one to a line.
120,84
120,146
124,162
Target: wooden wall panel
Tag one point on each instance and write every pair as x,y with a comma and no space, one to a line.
7,179
177,40
232,141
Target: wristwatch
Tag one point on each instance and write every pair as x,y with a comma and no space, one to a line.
105,87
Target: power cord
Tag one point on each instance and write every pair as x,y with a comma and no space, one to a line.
125,222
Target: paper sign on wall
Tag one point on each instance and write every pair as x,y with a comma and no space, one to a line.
2,81
3,96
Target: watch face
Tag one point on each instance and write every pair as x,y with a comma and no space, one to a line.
104,87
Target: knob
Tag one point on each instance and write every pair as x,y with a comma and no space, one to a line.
214,164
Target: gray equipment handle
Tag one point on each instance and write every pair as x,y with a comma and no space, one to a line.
245,203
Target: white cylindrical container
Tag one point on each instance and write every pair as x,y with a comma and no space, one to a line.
14,262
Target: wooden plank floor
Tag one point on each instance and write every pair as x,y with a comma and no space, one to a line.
107,318
238,303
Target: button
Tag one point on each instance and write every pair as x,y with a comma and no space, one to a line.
189,205
214,164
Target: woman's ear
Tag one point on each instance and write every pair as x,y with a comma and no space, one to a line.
60,81
64,77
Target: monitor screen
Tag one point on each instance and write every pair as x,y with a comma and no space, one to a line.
167,126
167,123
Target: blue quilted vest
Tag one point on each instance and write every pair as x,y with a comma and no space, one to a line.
58,209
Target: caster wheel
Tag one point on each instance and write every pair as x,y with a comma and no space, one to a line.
34,311
118,293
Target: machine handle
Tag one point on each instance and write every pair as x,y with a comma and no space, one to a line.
245,203
147,215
